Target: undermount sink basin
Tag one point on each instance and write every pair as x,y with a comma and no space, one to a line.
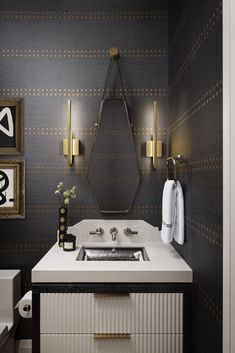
112,254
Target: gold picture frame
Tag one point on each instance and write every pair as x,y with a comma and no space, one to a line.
11,127
12,189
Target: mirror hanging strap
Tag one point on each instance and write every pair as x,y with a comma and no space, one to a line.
120,78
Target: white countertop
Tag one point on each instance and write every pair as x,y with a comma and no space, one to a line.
164,265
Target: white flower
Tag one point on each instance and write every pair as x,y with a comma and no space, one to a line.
60,185
73,189
66,201
65,195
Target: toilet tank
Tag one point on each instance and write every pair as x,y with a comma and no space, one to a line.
9,296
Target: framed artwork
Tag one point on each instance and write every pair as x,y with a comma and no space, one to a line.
12,189
11,137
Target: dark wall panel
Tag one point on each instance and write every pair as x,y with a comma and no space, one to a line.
54,50
195,131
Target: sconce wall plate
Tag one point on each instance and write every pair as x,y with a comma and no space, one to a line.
73,146
154,149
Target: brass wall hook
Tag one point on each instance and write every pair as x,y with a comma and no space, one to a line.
113,53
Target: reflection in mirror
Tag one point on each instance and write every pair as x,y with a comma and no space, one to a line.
113,171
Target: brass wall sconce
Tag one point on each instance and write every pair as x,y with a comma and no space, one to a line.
154,147
70,145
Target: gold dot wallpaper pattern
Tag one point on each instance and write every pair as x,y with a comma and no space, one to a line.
195,131
82,92
57,50
84,15
195,48
82,54
53,51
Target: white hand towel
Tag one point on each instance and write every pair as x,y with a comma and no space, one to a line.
179,219
172,213
168,211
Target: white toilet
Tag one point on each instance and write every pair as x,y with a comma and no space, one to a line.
9,317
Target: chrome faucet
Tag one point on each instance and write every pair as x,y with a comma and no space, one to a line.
98,231
129,231
114,233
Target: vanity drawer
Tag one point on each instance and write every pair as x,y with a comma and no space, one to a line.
111,313
134,344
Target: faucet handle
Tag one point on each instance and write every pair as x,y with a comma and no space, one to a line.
128,231
114,233
98,231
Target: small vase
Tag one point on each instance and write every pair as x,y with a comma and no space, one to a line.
63,211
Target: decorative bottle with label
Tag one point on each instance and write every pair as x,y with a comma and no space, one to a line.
69,242
64,196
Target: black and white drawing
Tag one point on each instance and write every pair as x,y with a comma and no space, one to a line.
10,127
12,189
6,187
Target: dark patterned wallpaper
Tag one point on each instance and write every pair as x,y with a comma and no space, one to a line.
195,131
54,50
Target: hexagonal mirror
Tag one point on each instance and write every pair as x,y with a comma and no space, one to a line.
113,170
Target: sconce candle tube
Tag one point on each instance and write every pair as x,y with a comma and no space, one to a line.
154,147
69,156
154,121
70,145
155,134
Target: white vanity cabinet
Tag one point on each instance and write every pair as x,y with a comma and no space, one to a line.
112,306
111,323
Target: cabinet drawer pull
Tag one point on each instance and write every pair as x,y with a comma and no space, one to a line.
109,336
99,295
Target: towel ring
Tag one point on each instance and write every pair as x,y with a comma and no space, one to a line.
172,159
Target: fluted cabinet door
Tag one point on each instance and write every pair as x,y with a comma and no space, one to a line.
85,313
135,344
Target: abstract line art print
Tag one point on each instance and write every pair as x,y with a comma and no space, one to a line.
11,139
